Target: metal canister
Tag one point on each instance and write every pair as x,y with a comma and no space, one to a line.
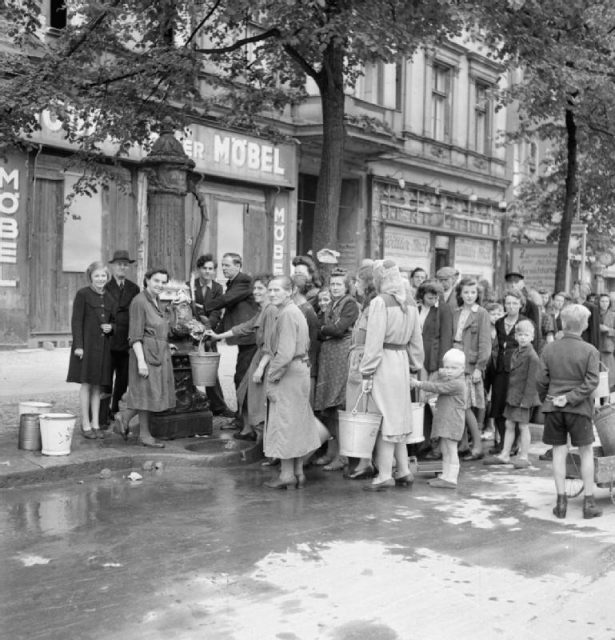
29,432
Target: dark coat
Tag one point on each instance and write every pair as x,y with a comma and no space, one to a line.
437,335
90,310
200,302
238,304
121,300
569,366
524,367
592,333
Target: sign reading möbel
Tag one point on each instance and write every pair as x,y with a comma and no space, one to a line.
240,157
9,230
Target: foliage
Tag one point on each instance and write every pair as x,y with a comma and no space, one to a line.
564,90
120,67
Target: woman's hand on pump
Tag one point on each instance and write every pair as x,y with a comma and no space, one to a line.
367,385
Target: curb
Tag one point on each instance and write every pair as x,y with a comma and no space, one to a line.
237,456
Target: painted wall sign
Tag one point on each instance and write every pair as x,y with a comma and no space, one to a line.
240,157
409,248
9,225
537,262
279,240
469,250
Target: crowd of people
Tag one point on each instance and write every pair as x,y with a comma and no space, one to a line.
483,367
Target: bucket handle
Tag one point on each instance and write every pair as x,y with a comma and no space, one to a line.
363,393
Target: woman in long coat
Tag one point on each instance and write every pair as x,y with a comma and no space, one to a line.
292,430
393,348
90,361
151,385
251,392
335,334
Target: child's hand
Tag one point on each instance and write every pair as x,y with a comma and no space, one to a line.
414,383
560,401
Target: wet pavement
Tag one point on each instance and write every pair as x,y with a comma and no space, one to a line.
210,553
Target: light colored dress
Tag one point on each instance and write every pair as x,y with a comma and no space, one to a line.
291,430
150,326
393,344
607,343
254,394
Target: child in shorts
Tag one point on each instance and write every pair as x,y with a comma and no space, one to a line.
449,420
521,397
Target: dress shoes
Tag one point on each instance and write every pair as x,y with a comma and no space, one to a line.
559,510
405,481
246,436
546,456
88,434
380,486
478,455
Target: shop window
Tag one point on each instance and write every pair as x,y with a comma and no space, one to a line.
82,232
305,212
440,102
482,119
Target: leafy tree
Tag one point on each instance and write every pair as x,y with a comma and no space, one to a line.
121,66
564,49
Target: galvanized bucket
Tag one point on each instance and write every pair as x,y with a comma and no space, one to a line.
29,432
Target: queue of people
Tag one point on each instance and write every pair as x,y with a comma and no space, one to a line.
483,367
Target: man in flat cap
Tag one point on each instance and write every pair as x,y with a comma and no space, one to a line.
447,277
122,291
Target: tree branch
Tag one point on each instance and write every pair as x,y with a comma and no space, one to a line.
202,22
91,27
301,61
270,33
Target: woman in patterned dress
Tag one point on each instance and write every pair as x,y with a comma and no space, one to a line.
335,334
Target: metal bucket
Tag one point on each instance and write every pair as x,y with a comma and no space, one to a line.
204,368
358,431
604,421
29,432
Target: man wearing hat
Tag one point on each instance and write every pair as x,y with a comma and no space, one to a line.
447,277
122,291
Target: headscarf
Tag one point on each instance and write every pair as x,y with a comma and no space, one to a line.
387,279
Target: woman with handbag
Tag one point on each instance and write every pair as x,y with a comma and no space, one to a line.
393,349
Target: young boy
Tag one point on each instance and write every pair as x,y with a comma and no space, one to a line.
521,397
449,421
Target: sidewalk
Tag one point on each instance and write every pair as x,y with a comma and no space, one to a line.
36,374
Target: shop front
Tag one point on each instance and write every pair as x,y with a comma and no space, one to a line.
428,229
246,196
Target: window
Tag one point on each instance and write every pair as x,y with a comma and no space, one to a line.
56,18
440,102
482,119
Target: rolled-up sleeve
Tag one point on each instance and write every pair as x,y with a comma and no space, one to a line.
137,313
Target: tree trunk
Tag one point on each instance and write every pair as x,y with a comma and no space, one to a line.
329,189
569,202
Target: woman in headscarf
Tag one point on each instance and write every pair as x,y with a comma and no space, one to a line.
335,334
393,349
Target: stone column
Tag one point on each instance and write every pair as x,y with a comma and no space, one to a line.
167,187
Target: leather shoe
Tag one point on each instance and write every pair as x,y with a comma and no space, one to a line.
433,455
404,481
245,436
224,413
88,434
379,486
152,443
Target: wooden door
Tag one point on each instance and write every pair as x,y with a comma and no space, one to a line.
50,295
